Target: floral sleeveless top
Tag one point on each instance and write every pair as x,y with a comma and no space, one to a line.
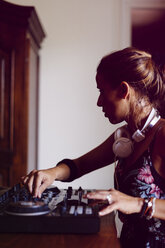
143,181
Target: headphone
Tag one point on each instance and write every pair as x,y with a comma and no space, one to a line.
124,143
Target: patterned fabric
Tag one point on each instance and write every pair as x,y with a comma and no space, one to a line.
143,181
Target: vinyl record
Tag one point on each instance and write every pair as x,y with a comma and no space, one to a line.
27,208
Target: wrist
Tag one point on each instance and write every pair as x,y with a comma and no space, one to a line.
140,203
61,172
71,169
54,173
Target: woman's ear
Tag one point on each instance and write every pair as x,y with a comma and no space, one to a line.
124,89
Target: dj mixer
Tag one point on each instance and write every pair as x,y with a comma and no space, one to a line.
57,211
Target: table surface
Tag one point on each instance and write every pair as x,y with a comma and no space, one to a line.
106,238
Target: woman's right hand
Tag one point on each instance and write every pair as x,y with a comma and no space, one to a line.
38,180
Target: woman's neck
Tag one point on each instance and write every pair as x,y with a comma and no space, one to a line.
138,119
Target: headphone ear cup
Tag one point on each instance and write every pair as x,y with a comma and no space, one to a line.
122,147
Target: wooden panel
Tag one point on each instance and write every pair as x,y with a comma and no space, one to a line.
4,176
6,114
2,95
6,102
18,90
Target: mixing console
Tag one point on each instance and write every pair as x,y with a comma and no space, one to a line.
57,211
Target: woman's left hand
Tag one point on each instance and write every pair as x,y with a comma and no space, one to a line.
117,201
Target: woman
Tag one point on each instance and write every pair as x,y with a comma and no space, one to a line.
131,89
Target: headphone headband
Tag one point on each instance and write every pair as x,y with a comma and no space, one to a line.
152,119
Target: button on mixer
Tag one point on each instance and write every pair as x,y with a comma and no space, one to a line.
72,210
79,210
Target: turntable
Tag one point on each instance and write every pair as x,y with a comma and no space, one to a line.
57,211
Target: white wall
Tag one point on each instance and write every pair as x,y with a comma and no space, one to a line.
79,33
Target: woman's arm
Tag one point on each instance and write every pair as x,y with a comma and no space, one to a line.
97,158
38,180
129,204
126,204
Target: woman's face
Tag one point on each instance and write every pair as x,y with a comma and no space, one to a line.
113,104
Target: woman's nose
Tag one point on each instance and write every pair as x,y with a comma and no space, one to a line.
99,101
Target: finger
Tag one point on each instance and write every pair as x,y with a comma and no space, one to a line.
98,203
23,179
32,173
36,186
99,195
42,187
26,181
107,210
30,180
30,183
38,182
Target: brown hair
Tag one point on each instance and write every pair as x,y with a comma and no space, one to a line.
138,69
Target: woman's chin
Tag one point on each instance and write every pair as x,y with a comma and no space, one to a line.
112,121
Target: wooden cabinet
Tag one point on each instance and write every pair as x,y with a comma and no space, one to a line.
20,37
